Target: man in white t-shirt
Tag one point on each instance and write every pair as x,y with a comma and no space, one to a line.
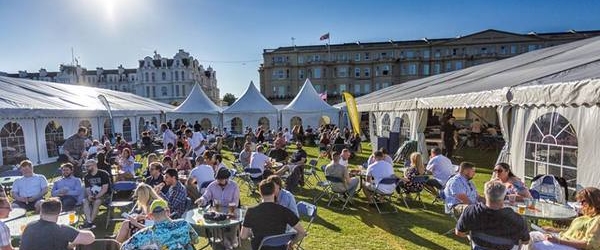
168,136
201,173
29,190
259,160
375,173
287,135
441,167
344,157
195,140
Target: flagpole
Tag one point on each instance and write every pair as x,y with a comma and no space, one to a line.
329,45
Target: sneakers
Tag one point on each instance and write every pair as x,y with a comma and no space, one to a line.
87,225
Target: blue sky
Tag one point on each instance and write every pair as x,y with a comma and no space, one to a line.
231,35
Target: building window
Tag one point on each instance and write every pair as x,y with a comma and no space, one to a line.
300,59
279,74
176,76
448,66
367,72
342,72
426,54
412,69
287,74
281,91
436,68
513,49
437,53
551,148
152,77
410,54
176,90
318,88
357,88
357,72
153,91
425,69
164,76
386,70
54,137
317,72
342,88
357,57
182,75
300,74
163,90
145,77
147,91
316,58
183,90
367,88
458,65
367,56
532,47
385,85
12,140
127,130
502,50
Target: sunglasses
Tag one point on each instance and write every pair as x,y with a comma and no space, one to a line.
499,170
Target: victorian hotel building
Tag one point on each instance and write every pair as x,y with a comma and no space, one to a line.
167,80
360,68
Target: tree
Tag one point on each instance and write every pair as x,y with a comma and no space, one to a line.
229,98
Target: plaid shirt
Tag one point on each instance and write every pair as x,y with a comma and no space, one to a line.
4,235
177,196
75,145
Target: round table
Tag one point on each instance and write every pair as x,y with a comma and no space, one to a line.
196,218
15,213
16,224
547,211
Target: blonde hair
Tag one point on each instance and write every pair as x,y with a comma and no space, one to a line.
145,194
152,158
416,160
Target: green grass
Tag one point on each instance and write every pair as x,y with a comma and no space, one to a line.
360,226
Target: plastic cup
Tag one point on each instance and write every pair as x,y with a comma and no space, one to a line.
217,205
521,208
232,208
71,218
512,199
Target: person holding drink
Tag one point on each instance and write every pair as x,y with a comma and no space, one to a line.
223,192
515,188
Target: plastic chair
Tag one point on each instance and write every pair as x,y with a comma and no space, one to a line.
279,240
311,171
105,244
419,179
307,210
325,187
343,196
119,188
378,194
492,240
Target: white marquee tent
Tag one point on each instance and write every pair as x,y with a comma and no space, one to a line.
547,103
251,109
36,116
308,108
197,106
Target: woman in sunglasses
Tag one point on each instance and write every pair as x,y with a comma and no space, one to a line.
514,185
584,231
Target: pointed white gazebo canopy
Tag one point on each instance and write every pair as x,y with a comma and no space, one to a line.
308,108
252,109
197,107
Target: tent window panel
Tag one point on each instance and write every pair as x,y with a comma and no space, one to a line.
374,124
12,141
127,130
264,122
385,123
295,121
87,124
529,168
205,124
54,137
108,128
396,125
141,124
405,129
551,145
236,125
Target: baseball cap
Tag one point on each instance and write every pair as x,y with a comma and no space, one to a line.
158,206
90,162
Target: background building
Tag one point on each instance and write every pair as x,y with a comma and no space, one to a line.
167,80
361,68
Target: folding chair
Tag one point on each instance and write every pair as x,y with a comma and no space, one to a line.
491,240
451,214
311,171
325,188
279,240
307,210
119,189
378,194
342,196
252,181
105,244
420,179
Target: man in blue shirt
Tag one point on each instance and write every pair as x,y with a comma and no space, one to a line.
460,190
282,196
68,188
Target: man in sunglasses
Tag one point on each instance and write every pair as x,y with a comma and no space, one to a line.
460,190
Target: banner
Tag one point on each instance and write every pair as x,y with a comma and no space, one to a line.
352,112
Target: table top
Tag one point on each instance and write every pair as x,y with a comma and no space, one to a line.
9,179
14,214
195,217
15,225
545,210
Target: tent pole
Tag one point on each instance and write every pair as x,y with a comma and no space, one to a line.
37,145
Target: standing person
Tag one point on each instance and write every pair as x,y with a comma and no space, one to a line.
441,167
68,188
165,234
449,136
28,191
5,209
493,219
476,132
168,136
195,140
96,186
460,191
47,234
269,218
74,149
177,194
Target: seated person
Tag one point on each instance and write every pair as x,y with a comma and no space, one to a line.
340,171
269,218
68,188
167,162
93,150
200,174
298,158
217,161
345,157
28,191
514,185
181,162
278,154
165,233
375,173
492,219
259,160
460,190
416,169
244,156
126,163
138,217
170,152
584,231
386,157
441,168
156,177
282,196
96,187
177,194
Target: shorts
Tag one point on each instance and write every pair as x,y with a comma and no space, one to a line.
27,206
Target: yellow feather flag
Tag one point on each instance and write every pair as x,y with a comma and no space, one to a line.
353,114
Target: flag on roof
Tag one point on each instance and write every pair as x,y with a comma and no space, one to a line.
324,37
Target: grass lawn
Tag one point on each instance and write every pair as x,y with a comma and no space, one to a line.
360,226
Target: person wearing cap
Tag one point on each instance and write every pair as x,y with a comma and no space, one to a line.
68,188
177,194
96,186
28,191
269,218
165,233
227,193
45,233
